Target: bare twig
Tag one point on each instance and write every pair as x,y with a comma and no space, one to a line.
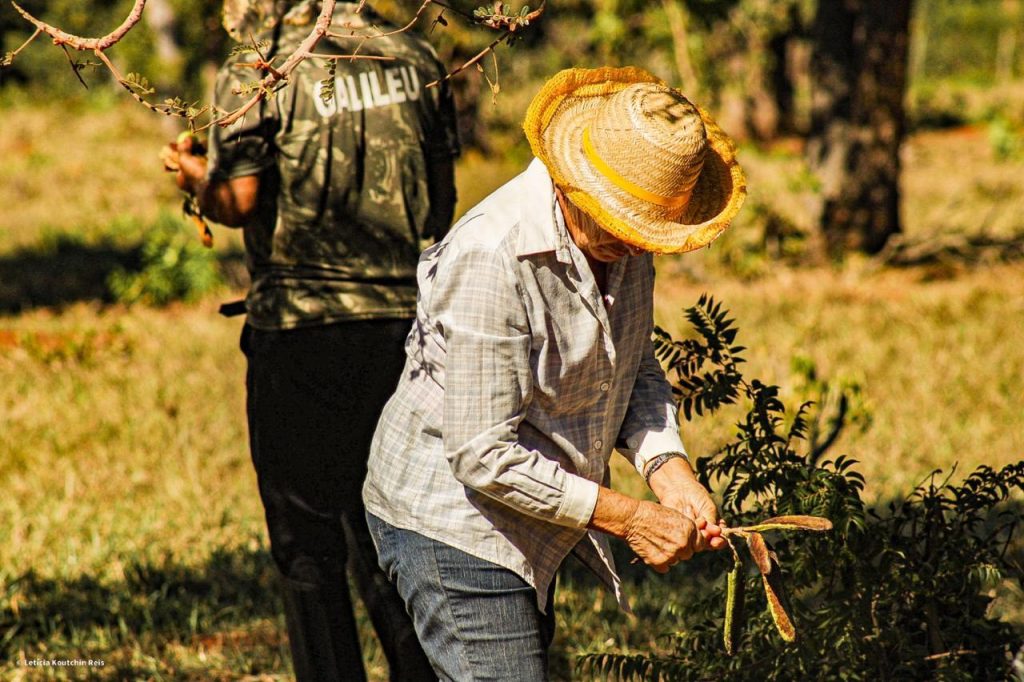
75,67
455,10
352,57
480,55
948,654
10,56
403,29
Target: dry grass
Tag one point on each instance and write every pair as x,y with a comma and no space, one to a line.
130,527
77,169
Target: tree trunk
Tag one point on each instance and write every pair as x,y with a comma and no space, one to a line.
859,73
677,24
788,76
1006,45
763,110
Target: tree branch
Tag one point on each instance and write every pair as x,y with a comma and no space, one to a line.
85,44
491,21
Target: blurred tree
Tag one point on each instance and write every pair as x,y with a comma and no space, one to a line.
859,74
751,60
1006,48
161,18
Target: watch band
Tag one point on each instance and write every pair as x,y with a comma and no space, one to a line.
658,462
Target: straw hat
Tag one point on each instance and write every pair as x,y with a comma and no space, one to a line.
637,157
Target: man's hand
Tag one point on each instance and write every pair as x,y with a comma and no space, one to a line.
228,202
678,488
187,158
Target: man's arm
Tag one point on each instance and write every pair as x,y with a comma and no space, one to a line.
229,202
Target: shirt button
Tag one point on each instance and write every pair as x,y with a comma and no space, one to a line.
598,443
605,386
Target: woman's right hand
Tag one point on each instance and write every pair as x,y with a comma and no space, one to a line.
659,535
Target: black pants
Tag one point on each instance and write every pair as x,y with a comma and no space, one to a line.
314,397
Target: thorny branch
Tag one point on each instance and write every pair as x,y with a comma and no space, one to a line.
497,21
301,53
493,17
480,55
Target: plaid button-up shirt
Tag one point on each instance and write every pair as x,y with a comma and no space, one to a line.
520,381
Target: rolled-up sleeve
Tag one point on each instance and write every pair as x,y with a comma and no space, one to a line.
651,426
488,385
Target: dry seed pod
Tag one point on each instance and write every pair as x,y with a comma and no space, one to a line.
735,592
813,523
205,233
777,601
759,551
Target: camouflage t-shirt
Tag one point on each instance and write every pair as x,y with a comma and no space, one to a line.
343,165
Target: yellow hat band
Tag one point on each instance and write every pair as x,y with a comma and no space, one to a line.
625,184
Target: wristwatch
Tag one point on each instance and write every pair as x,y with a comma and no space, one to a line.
657,463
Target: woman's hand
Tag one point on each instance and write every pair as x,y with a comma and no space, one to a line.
661,536
678,488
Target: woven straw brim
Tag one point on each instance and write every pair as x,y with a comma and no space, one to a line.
554,125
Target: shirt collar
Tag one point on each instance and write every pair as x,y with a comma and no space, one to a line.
541,226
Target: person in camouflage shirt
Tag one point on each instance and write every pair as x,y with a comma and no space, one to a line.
338,179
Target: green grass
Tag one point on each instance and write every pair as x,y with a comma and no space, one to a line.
130,526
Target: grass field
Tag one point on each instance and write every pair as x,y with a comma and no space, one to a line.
130,528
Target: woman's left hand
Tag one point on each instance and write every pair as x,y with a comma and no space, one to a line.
678,488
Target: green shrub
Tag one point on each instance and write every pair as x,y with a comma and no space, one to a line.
175,266
896,593
1006,140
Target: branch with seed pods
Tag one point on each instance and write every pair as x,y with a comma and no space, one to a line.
771,574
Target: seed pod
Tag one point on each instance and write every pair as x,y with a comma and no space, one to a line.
759,551
778,604
813,523
736,587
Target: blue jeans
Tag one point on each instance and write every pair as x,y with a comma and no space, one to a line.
475,620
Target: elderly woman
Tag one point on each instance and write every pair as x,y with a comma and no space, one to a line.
531,360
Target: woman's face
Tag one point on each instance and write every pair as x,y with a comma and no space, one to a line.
591,239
